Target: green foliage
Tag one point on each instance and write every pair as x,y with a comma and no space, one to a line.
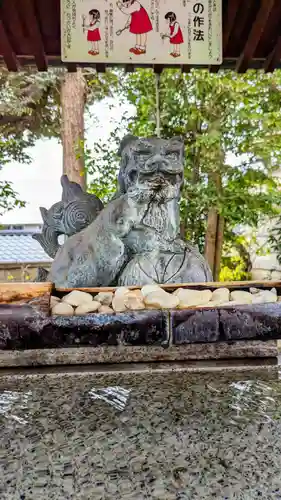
102,162
233,269
275,238
30,108
217,114
8,197
30,101
102,167
11,148
231,126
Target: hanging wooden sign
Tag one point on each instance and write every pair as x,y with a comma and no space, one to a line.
142,32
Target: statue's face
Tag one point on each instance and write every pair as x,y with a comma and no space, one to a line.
154,164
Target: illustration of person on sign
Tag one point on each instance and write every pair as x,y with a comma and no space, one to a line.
175,34
93,31
138,24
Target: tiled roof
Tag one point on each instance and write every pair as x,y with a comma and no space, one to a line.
20,247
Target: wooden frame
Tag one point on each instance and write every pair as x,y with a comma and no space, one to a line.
12,293
173,286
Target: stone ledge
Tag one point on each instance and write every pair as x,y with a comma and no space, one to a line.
261,367
223,324
25,331
126,354
93,330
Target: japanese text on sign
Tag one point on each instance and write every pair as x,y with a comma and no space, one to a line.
142,31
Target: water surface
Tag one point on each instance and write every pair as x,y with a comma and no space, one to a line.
168,436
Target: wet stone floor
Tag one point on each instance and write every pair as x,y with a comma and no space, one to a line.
170,436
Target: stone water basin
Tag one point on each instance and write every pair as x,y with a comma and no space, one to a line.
29,320
140,435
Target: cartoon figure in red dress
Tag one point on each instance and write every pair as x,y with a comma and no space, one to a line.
138,23
93,32
175,34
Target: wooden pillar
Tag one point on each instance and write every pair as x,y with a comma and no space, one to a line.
214,242
219,245
72,111
214,232
210,238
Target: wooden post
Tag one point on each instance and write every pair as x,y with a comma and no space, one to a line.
219,245
210,238
72,107
214,232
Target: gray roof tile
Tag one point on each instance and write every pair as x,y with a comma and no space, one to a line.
20,247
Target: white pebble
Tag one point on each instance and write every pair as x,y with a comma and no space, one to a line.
104,298
62,309
86,308
77,298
